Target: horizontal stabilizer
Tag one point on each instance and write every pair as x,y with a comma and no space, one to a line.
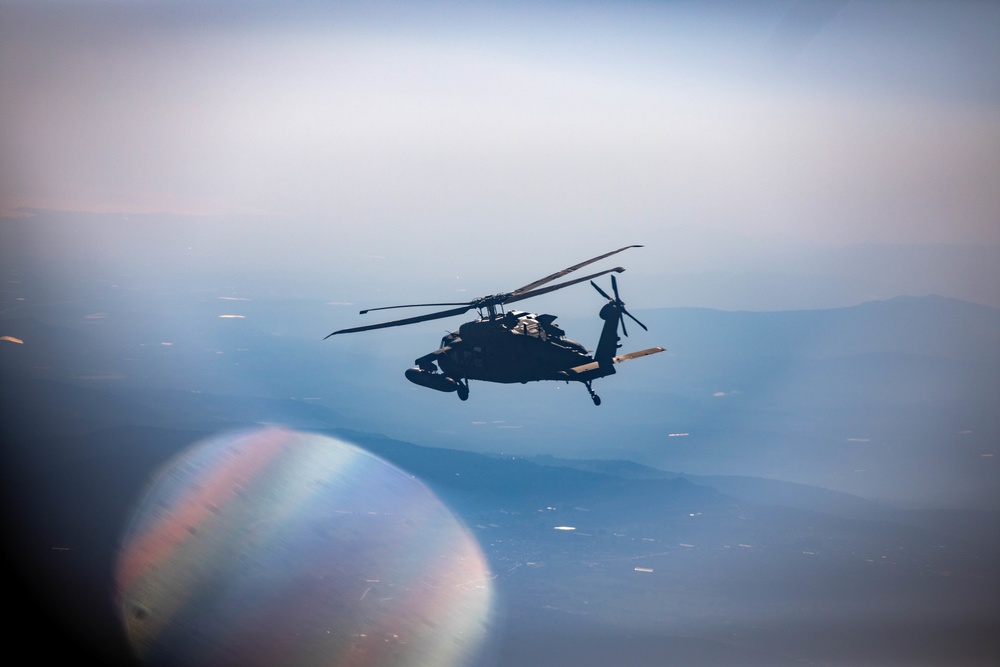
594,365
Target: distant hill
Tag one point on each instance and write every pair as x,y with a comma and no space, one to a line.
688,565
892,400
929,326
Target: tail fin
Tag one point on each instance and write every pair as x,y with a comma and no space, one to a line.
608,346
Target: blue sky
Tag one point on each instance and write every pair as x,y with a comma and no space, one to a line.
453,138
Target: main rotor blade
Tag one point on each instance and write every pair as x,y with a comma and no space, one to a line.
552,288
417,305
560,274
525,292
408,320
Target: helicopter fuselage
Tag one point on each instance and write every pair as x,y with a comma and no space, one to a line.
507,348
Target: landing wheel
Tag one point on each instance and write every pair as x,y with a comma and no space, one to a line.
594,397
463,390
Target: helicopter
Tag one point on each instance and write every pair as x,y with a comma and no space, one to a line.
514,346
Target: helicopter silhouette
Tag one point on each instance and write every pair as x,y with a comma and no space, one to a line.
511,346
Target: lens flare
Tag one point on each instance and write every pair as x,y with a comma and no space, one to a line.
279,547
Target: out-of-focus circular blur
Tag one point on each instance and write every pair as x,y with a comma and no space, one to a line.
276,547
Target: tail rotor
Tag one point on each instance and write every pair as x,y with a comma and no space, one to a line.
618,304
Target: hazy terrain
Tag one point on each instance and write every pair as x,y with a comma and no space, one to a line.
837,503
892,400
657,569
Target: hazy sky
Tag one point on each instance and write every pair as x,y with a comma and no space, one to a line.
770,156
440,129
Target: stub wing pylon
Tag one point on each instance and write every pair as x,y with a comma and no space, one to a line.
596,365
